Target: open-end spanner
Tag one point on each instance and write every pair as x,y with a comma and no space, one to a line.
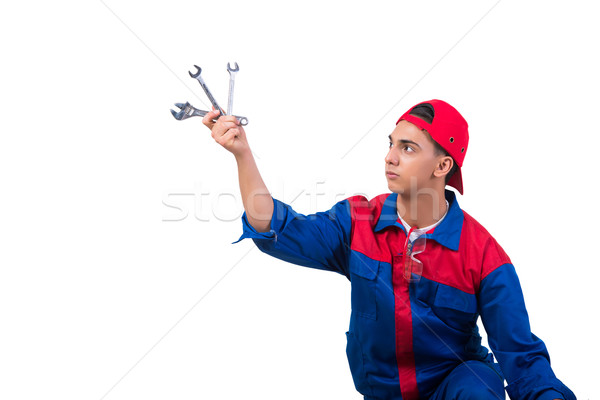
208,93
186,110
232,72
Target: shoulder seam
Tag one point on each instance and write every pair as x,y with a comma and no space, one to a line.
495,268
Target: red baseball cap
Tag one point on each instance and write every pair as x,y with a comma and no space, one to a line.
449,129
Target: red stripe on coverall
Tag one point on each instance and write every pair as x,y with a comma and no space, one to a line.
405,356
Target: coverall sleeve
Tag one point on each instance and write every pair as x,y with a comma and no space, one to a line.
522,356
320,240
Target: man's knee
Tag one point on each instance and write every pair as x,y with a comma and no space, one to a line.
472,380
480,391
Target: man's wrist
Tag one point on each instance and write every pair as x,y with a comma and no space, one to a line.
243,155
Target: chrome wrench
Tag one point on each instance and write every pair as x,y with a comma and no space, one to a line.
186,110
232,72
208,93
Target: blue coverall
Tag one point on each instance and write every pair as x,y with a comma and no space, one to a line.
415,336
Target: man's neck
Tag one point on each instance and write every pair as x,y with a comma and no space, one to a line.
423,210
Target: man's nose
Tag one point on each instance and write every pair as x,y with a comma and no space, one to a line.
390,158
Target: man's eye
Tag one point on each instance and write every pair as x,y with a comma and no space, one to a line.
390,144
408,147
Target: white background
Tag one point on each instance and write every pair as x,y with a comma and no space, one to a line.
104,296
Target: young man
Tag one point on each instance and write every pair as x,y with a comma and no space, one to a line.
422,270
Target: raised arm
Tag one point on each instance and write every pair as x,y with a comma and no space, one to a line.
320,240
256,198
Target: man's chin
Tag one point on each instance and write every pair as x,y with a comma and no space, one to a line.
394,188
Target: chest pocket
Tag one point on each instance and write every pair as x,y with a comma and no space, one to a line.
363,278
455,299
455,308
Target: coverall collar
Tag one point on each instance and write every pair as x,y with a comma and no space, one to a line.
447,233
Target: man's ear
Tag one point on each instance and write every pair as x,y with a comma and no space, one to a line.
443,166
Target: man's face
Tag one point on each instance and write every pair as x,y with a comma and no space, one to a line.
411,159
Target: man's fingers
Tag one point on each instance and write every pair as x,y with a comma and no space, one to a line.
208,118
230,118
221,128
225,130
228,138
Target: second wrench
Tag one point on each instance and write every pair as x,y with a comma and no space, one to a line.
232,72
208,93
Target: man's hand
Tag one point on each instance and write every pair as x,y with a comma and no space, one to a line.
228,132
257,199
